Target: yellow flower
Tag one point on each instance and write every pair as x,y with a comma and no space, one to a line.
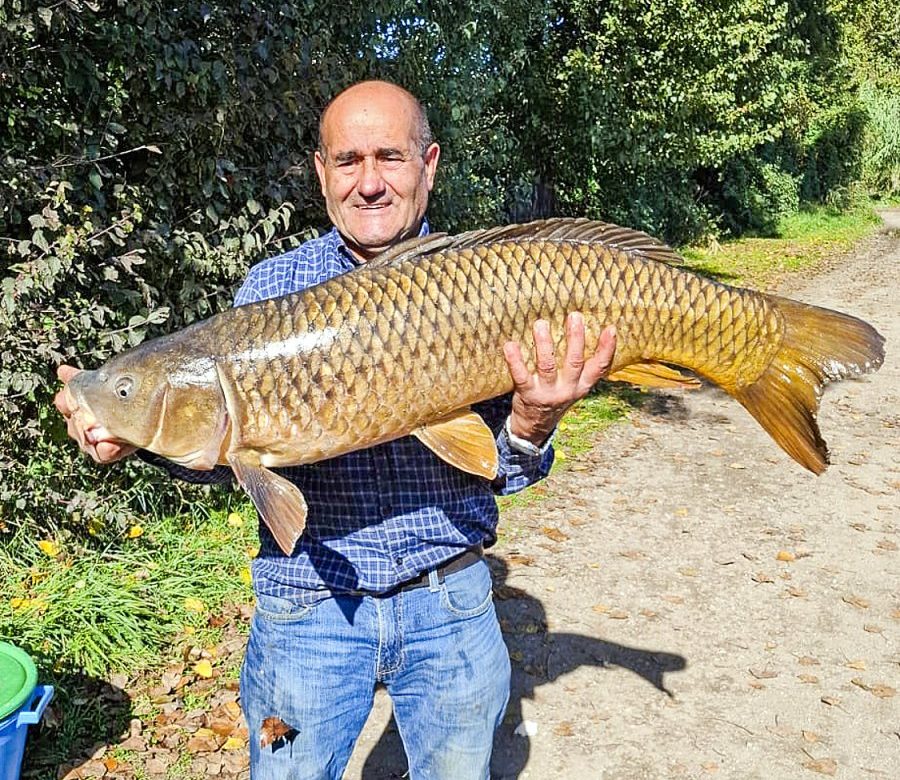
203,669
49,547
194,605
135,531
235,520
246,577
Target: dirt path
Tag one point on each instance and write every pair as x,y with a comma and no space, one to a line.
663,637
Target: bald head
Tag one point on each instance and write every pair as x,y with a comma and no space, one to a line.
376,163
375,91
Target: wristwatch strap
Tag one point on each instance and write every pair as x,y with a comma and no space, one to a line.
524,446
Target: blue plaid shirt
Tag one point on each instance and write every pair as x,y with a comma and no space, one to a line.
379,516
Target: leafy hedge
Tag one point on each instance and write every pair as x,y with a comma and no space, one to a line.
150,154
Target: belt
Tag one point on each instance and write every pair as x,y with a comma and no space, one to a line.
460,562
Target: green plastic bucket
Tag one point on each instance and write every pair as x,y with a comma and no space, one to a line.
22,703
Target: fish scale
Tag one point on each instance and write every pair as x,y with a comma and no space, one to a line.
407,342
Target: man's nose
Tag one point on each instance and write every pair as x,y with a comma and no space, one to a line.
370,182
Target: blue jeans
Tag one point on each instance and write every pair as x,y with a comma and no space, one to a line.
437,649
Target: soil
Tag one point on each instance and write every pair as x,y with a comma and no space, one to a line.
690,603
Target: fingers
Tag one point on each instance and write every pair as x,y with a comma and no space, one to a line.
573,363
543,352
600,362
517,368
65,373
62,400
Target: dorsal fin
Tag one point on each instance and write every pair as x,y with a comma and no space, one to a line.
575,230
419,246
565,229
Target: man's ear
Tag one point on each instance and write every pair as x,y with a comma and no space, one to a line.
319,161
432,155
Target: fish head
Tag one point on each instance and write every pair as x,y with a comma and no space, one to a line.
156,397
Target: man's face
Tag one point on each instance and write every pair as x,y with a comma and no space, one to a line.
374,176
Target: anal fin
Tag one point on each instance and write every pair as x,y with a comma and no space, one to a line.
463,440
653,374
278,501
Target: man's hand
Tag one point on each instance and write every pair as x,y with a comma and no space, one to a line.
542,398
93,438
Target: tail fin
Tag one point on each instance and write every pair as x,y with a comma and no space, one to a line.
819,346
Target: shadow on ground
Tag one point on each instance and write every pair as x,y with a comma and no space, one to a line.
97,713
539,657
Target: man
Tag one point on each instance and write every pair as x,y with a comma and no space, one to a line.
387,584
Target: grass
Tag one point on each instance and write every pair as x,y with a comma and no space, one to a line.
802,241
112,609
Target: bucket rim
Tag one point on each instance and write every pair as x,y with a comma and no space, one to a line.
18,668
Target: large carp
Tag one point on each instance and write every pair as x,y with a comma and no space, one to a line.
407,342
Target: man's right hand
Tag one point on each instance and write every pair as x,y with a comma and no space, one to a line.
92,437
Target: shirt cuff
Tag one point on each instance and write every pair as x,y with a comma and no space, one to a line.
523,446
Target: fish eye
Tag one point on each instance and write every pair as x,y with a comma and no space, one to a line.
124,387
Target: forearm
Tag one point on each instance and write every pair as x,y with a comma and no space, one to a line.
219,475
516,469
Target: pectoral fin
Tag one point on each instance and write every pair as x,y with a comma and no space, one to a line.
463,440
279,502
653,374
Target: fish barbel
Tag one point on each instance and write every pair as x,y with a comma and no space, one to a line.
405,344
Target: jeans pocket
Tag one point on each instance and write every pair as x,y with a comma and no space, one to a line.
279,610
468,593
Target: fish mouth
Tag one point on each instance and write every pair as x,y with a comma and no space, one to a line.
89,429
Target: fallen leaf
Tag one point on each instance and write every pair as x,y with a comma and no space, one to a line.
811,737
617,614
856,601
632,554
761,576
886,544
763,674
564,729
520,560
649,614
786,556
688,571
858,664
674,599
797,593
601,608
831,701
202,743
192,604
233,743
736,466
808,678
872,628
807,660
203,668
879,690
554,533
824,766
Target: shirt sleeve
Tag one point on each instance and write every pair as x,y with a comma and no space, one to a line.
516,470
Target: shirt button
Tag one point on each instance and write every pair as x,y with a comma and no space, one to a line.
398,560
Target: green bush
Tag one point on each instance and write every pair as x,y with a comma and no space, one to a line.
149,154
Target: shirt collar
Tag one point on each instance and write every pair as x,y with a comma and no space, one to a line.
346,254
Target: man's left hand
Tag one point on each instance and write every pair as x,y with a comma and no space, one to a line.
541,399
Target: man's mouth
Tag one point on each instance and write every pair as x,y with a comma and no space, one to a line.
372,206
